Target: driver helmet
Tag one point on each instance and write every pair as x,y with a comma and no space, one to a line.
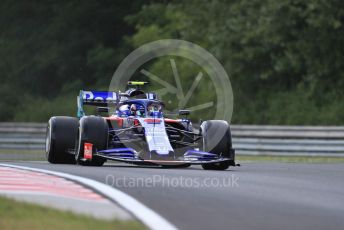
124,110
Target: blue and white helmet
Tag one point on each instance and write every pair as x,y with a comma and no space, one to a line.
124,110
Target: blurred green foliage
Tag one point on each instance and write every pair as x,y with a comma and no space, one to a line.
51,49
284,58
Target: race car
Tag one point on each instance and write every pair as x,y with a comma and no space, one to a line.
135,130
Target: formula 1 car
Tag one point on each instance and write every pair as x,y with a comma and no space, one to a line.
136,131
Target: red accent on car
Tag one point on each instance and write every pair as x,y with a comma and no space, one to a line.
167,120
136,122
119,120
88,151
152,121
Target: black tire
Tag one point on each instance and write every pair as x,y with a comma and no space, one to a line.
92,130
217,139
60,138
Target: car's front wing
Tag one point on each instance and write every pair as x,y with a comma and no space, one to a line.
193,157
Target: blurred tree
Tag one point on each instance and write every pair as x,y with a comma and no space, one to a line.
285,58
48,45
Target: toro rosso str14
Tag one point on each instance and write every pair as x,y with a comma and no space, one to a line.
136,131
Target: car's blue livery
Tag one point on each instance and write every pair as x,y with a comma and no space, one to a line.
133,129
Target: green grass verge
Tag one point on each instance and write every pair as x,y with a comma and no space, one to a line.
16,151
19,215
290,159
21,155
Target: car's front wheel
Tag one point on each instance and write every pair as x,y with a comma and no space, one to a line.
217,139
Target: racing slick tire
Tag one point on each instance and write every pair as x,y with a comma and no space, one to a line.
93,130
60,138
224,146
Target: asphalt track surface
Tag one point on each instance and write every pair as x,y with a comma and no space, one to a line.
260,195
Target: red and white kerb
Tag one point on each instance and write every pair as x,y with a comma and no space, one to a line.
25,181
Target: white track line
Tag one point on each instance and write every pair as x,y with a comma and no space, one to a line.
146,215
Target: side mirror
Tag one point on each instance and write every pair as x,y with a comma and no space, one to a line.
103,109
184,112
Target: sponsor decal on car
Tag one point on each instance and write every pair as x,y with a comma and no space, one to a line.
88,151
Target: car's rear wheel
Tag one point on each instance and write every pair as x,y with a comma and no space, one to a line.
60,139
217,139
92,130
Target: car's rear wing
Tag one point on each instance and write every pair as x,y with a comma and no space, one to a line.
104,98
96,98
